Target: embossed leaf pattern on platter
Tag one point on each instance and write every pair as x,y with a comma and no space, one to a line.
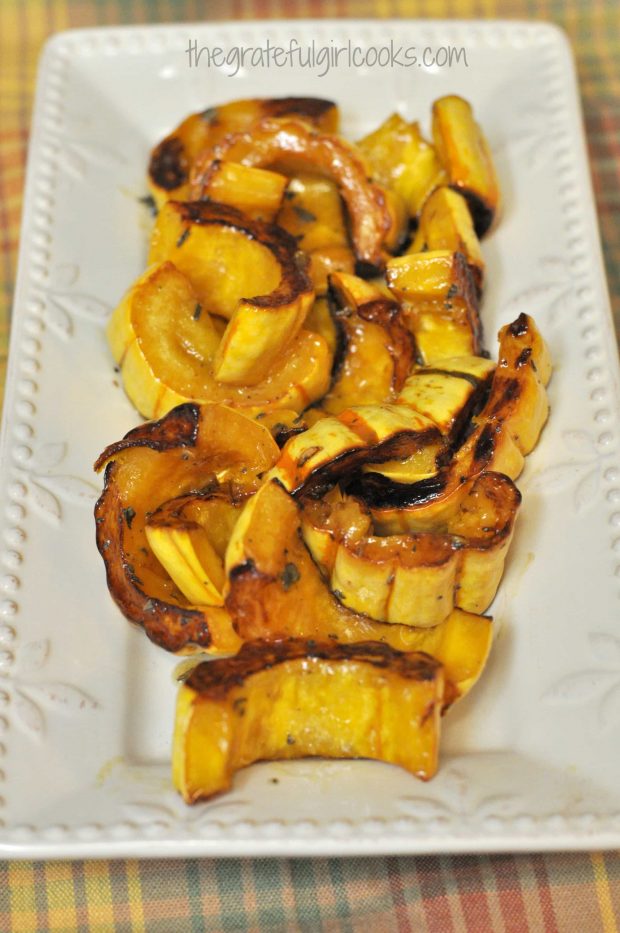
528,136
599,682
552,291
62,305
33,699
173,814
458,804
583,474
46,490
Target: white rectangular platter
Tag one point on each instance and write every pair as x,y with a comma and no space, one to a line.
530,760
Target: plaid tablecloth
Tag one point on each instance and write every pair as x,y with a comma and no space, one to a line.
549,893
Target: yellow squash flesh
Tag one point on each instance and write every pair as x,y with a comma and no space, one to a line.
253,191
400,158
439,302
173,158
205,450
276,592
165,343
446,224
293,700
241,269
313,213
466,158
189,535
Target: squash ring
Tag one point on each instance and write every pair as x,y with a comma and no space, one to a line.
299,146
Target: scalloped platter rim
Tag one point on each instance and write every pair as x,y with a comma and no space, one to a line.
529,760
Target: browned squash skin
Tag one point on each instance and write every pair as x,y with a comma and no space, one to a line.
215,678
277,592
172,158
186,451
505,430
295,699
294,280
292,145
466,157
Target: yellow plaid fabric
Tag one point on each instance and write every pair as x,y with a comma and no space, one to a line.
550,893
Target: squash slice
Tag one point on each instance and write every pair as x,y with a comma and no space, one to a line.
320,320
189,536
414,579
293,146
295,699
504,432
165,343
255,192
449,392
374,350
402,160
172,159
445,223
466,158
440,303
228,258
204,449
276,592
313,213
377,351
362,434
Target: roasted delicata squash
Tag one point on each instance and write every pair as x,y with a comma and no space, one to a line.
255,192
363,434
321,321
446,224
313,212
414,579
189,535
449,392
293,146
210,244
282,423
276,591
439,301
376,350
403,439
166,343
206,452
294,700
466,158
331,502
172,158
503,433
226,256
401,159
